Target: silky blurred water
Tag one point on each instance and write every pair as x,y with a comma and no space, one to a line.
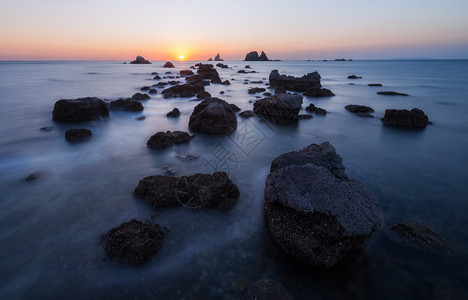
50,227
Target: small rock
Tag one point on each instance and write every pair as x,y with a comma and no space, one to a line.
389,93
186,73
141,118
234,107
173,113
256,90
225,82
359,108
247,114
48,128
374,84
166,139
168,65
318,92
32,177
153,91
145,88
126,105
140,96
76,135
214,116
81,109
354,77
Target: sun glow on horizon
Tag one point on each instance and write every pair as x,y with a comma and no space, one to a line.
181,57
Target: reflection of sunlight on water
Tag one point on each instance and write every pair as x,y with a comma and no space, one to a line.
52,225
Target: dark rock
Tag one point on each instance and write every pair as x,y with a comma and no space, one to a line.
210,59
140,96
304,117
280,108
253,56
257,82
81,109
141,118
186,73
388,93
235,108
183,90
359,108
134,241
140,60
153,91
247,67
280,90
174,82
214,116
203,95
207,71
267,289
320,111
154,73
374,84
166,139
313,215
221,93
173,113
415,118
157,77
222,66
263,57
354,77
245,72
145,88
161,84
48,128
226,82
256,90
187,157
247,114
297,84
126,105
32,177
168,65
318,92
418,236
76,135
218,58
267,94
311,107
364,115
195,191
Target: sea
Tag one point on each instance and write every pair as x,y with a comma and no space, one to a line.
51,227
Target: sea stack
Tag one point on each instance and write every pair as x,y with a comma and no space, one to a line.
218,58
253,56
140,60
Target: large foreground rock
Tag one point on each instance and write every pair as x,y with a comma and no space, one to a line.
313,215
280,108
414,118
81,109
297,84
133,241
267,289
214,116
418,236
140,60
195,191
166,139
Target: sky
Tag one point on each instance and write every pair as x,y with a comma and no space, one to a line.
198,29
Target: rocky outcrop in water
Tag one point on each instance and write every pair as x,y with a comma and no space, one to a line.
81,109
218,58
256,90
195,191
214,116
166,139
390,93
281,108
360,110
126,105
354,77
297,84
267,289
374,84
253,56
314,213
247,114
414,118
318,92
173,113
186,73
78,135
207,71
418,236
134,241
140,97
183,90
140,60
168,65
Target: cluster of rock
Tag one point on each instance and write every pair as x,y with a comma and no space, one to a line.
253,56
314,212
140,60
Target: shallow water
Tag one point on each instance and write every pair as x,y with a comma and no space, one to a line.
50,228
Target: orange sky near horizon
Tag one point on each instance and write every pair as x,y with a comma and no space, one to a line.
112,30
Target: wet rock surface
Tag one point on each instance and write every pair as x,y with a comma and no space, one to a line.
313,215
80,109
207,71
414,118
134,241
213,116
195,191
418,236
166,139
78,135
297,84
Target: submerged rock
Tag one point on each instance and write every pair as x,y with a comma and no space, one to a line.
354,77
140,60
134,241
389,93
297,84
414,118
168,65
173,113
195,191
280,108
77,135
318,92
32,177
166,139
313,215
214,116
126,105
418,236
140,96
81,109
267,289
360,110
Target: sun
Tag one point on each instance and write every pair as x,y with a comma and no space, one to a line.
181,57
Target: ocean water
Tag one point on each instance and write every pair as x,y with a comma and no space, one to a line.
50,228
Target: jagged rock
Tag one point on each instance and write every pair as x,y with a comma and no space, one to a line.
263,57
134,241
210,59
256,90
77,135
389,93
218,58
183,90
313,215
166,139
168,65
266,289
81,109
247,114
297,84
280,108
207,71
214,116
173,113
140,60
186,73
140,96
195,191
414,118
226,82
418,236
126,105
318,92
253,56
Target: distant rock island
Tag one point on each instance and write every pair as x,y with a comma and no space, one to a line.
253,56
140,60
217,58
